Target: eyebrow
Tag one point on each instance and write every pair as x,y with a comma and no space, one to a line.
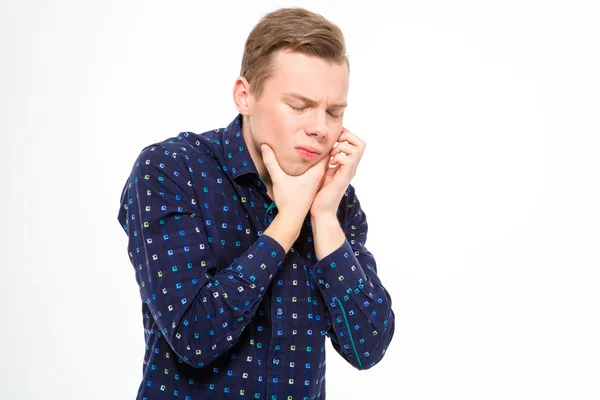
312,102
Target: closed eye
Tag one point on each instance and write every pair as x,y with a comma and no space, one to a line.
296,108
300,109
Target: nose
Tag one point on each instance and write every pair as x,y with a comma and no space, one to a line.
317,123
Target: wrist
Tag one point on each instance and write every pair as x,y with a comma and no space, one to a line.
285,229
324,219
290,221
328,234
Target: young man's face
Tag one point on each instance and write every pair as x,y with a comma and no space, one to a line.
302,105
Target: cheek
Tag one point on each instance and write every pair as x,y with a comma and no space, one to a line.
289,125
275,117
336,130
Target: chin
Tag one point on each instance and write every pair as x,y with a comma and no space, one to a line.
295,170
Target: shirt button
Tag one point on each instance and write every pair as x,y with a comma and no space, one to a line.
279,311
276,361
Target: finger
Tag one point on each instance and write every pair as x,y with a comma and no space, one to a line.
318,170
320,165
347,136
270,161
332,163
327,171
329,174
344,166
341,159
346,162
343,147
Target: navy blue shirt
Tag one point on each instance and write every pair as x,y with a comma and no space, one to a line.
227,313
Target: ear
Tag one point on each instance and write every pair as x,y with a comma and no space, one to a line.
241,96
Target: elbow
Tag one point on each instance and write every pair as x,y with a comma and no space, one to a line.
370,362
196,352
195,358
193,352
372,358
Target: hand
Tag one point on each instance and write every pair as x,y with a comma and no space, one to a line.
335,181
293,194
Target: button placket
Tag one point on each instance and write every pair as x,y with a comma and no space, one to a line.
276,335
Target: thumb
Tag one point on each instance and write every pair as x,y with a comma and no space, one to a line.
320,167
269,160
319,170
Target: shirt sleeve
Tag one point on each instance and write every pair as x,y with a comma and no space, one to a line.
200,307
359,306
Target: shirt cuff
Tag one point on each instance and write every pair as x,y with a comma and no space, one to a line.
339,273
259,263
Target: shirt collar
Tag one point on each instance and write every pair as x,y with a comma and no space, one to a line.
235,151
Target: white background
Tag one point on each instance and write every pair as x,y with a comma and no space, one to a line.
480,183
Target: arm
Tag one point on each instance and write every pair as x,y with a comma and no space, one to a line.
200,312
359,305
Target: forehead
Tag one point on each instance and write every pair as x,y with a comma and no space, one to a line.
311,77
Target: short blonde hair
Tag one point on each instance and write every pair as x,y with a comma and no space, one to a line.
294,29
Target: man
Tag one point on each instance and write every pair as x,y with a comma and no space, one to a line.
249,249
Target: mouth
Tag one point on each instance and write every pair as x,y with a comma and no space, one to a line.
309,153
309,149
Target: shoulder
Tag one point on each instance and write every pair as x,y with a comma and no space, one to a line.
185,146
183,151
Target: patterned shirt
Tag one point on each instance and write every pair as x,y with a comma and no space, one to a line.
227,313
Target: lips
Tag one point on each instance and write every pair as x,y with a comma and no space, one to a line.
310,149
